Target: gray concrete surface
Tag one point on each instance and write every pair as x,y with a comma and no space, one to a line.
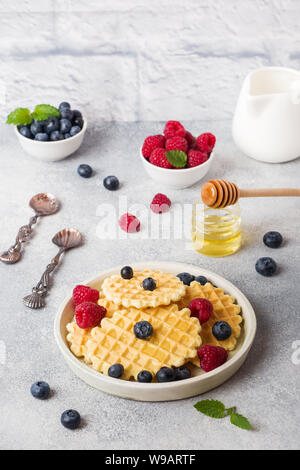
266,389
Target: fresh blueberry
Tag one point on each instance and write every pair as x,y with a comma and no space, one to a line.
165,374
70,419
144,376
272,239
149,284
41,136
116,371
56,135
65,125
52,124
111,183
40,390
67,135
265,266
186,278
78,121
76,114
182,372
201,279
143,330
74,130
127,272
26,132
64,105
221,330
66,113
85,171
36,127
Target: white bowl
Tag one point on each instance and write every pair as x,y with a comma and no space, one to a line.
180,178
201,382
52,151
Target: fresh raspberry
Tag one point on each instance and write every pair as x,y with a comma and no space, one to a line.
195,158
201,308
190,139
88,315
211,357
129,223
206,142
85,294
160,203
151,143
161,138
174,128
158,158
177,143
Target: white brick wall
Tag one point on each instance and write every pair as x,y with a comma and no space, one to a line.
140,59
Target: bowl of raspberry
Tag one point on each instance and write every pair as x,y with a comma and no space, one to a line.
176,158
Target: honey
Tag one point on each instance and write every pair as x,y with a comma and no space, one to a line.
216,232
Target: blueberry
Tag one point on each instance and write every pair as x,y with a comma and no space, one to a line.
74,130
66,113
143,330
186,278
67,135
56,135
36,127
144,376
265,266
182,373
165,374
149,284
41,136
64,105
111,183
52,124
221,330
26,132
85,171
116,371
127,272
76,114
65,125
78,121
272,239
201,279
40,390
70,419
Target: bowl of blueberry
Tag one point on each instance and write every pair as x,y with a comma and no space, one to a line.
49,133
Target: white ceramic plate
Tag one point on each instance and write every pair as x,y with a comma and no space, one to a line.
200,382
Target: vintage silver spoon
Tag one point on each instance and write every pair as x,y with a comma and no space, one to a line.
43,204
65,239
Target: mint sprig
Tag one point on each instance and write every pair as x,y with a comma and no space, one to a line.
19,117
177,158
44,111
216,409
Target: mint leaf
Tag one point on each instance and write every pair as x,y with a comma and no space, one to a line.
212,408
230,411
177,158
44,111
240,421
19,117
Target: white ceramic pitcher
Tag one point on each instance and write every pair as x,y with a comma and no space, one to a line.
266,124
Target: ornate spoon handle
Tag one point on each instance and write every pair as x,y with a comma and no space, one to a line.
37,298
13,254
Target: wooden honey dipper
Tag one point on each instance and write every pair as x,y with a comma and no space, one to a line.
219,193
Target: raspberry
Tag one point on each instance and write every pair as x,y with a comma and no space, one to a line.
160,203
177,143
151,143
202,309
129,223
211,357
195,158
158,158
161,138
206,142
190,139
85,294
174,128
88,315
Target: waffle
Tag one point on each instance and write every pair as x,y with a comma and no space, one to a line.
175,340
225,309
130,292
78,339
110,307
